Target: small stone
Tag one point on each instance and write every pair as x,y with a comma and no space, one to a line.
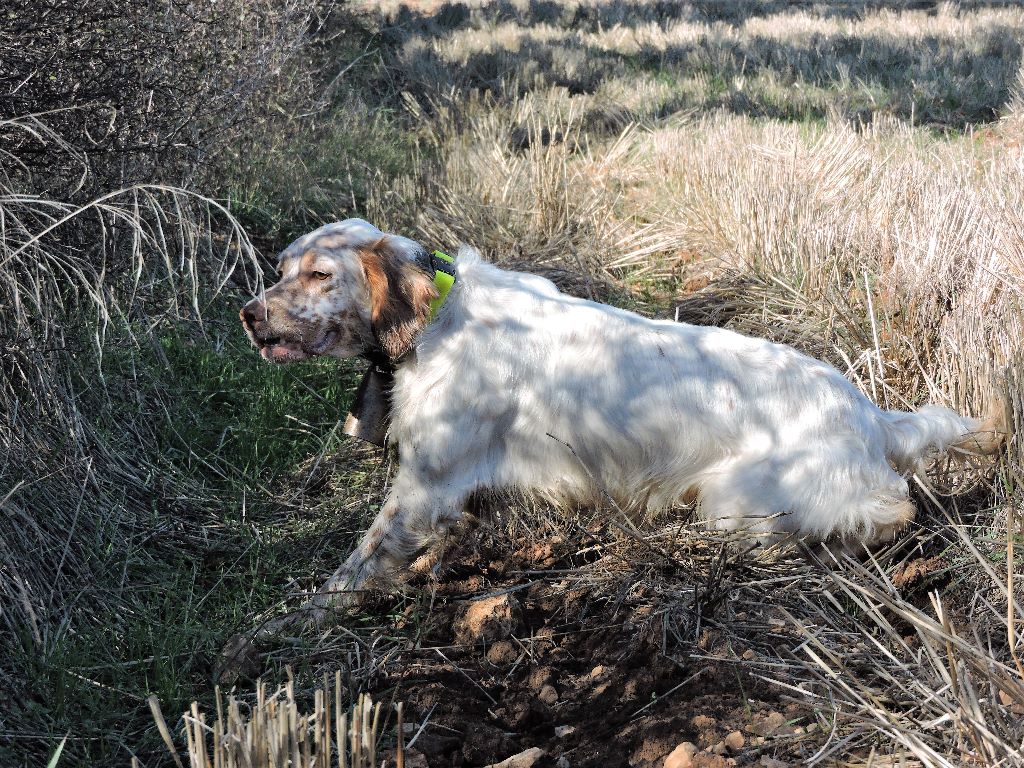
524,759
749,655
597,671
562,731
719,748
735,741
562,762
681,756
548,695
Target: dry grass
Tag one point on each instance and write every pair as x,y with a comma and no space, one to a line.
845,179
905,253
85,288
895,252
157,246
910,672
270,731
947,66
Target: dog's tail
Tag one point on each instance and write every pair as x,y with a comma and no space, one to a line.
914,437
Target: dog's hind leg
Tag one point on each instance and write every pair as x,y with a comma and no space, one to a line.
864,502
742,495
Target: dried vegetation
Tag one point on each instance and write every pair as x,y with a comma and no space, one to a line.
880,230
847,178
109,117
271,732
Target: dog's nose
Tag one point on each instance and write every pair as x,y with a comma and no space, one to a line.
253,311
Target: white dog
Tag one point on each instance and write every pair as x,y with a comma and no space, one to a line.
514,385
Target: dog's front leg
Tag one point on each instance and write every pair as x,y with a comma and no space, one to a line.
418,510
404,525
414,515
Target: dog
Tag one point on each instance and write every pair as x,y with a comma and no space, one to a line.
496,380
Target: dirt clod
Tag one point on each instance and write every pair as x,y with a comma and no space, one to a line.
706,760
540,677
768,725
735,741
501,653
488,620
413,758
916,571
239,659
484,740
681,756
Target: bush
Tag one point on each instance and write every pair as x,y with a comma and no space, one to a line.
139,92
112,114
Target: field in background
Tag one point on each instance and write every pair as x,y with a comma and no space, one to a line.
848,178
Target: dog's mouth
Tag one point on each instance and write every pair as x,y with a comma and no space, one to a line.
279,349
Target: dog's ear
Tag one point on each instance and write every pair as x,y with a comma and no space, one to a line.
400,296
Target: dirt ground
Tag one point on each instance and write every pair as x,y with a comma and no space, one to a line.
512,656
542,638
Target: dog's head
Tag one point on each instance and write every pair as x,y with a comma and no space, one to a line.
345,289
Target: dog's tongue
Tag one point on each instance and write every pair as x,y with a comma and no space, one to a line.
284,351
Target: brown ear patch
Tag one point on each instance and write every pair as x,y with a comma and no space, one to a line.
400,296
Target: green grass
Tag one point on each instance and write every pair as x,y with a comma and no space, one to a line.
96,681
236,429
323,169
212,402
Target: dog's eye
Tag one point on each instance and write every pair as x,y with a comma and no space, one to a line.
321,275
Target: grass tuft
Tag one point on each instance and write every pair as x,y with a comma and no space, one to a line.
268,731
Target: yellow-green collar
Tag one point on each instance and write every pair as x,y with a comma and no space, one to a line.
444,279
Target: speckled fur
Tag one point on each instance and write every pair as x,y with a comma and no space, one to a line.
345,289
